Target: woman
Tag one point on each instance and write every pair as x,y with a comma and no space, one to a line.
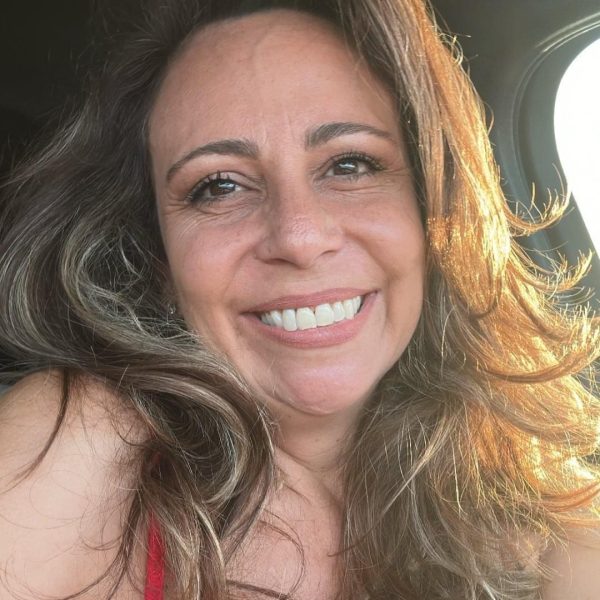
279,338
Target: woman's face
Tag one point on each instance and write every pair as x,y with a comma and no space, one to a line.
284,194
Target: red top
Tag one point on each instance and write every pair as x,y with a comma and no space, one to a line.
155,567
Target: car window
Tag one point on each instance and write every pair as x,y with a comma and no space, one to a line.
577,131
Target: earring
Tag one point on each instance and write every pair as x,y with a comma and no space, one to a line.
171,309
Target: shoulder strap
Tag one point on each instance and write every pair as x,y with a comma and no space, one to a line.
155,567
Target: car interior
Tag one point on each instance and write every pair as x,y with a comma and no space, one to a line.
516,51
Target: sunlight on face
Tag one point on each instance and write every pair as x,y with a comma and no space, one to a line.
287,210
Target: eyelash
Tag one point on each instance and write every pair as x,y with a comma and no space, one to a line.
193,197
373,163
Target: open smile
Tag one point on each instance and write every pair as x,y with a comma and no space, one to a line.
310,317
316,325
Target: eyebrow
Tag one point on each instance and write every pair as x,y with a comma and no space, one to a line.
247,149
236,147
324,133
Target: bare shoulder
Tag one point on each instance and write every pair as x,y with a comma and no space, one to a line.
60,523
575,567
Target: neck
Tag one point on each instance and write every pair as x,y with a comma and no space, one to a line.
310,453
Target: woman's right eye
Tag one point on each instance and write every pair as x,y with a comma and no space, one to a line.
212,188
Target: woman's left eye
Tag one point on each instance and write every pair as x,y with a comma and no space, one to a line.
353,165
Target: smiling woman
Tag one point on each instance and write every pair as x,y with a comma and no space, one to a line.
277,336
274,216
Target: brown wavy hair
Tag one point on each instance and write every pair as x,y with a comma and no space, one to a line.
483,434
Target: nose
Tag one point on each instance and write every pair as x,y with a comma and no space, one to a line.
300,228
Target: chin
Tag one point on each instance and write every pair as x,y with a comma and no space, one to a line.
323,398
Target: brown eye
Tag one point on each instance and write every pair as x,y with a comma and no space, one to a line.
220,187
353,165
348,166
212,188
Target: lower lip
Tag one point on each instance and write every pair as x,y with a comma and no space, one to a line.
317,337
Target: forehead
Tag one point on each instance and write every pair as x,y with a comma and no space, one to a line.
278,70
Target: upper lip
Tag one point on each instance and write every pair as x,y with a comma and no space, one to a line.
308,300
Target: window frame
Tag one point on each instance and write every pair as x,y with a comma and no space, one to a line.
525,145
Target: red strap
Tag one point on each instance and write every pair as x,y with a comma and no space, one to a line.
155,566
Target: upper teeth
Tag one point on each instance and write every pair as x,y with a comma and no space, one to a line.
322,315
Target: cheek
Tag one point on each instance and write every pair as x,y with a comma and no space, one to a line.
396,236
399,245
198,263
206,266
